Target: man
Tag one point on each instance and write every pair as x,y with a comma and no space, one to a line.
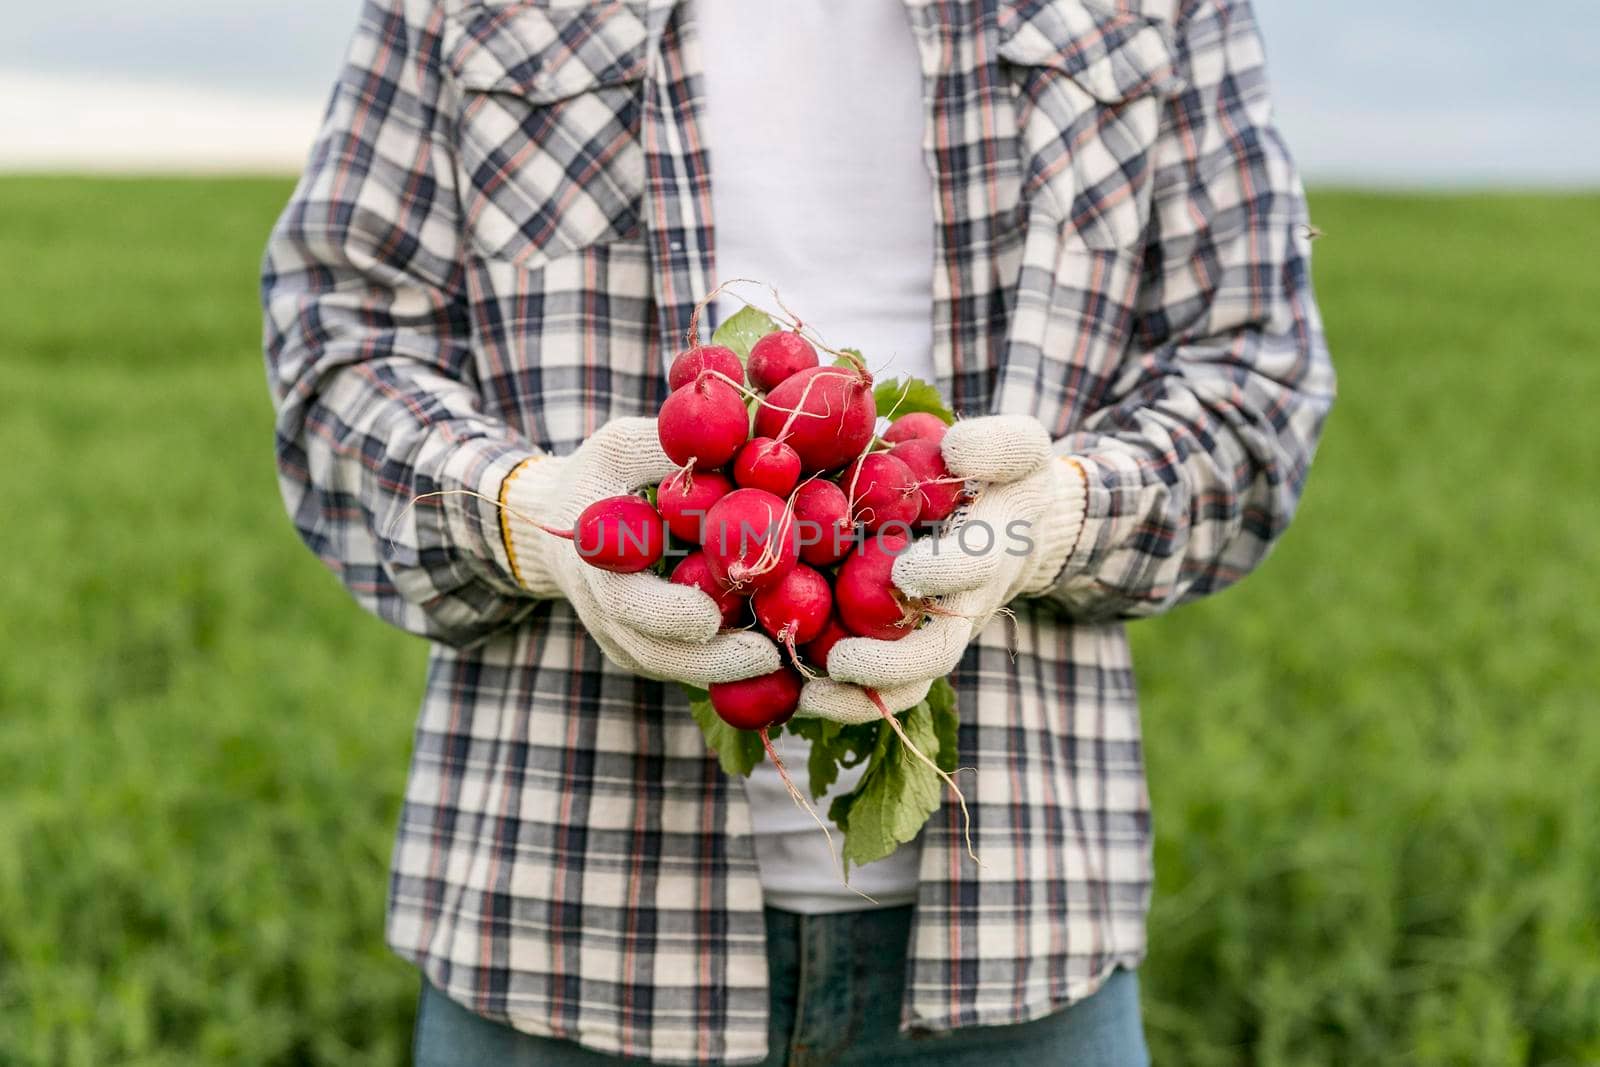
1075,216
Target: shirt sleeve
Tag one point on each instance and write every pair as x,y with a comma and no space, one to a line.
366,339
1196,462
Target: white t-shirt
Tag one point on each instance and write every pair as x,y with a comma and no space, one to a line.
814,119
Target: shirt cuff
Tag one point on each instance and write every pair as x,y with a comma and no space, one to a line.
525,497
1062,525
481,466
1111,507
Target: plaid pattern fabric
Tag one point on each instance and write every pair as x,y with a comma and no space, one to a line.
500,235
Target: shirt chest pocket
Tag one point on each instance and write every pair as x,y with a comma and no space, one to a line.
1089,86
548,154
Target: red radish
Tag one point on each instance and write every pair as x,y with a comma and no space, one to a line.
757,703
822,513
833,632
864,592
938,491
693,570
796,609
882,490
826,414
685,496
750,540
691,361
703,423
620,533
767,464
760,704
914,426
777,357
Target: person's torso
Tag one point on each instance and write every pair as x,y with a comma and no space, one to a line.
570,856
586,179
813,118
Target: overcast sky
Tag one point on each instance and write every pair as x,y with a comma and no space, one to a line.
1373,91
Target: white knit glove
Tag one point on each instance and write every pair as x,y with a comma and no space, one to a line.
982,560
824,698
643,623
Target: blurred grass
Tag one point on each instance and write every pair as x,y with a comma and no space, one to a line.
1374,765
202,742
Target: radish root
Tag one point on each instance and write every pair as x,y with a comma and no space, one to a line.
786,638
790,319
693,336
750,394
806,806
388,534
740,575
799,410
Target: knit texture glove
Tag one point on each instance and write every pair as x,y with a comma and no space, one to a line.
824,698
1011,540
643,623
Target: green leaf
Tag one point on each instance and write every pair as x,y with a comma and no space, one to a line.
839,809
822,768
846,361
897,795
856,743
803,726
833,746
737,750
902,396
941,701
743,329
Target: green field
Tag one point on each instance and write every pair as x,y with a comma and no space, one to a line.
1375,765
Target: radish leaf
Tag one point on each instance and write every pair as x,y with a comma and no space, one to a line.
896,796
833,745
742,330
902,396
941,701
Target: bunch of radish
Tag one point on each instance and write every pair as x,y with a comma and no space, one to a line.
788,508
793,527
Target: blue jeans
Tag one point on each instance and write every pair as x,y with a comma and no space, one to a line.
837,982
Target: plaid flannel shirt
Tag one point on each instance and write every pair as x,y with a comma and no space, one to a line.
496,246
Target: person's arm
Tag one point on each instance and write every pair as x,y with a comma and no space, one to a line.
1179,484
367,352
1195,464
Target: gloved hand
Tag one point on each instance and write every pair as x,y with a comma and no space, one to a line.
824,698
979,563
643,623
